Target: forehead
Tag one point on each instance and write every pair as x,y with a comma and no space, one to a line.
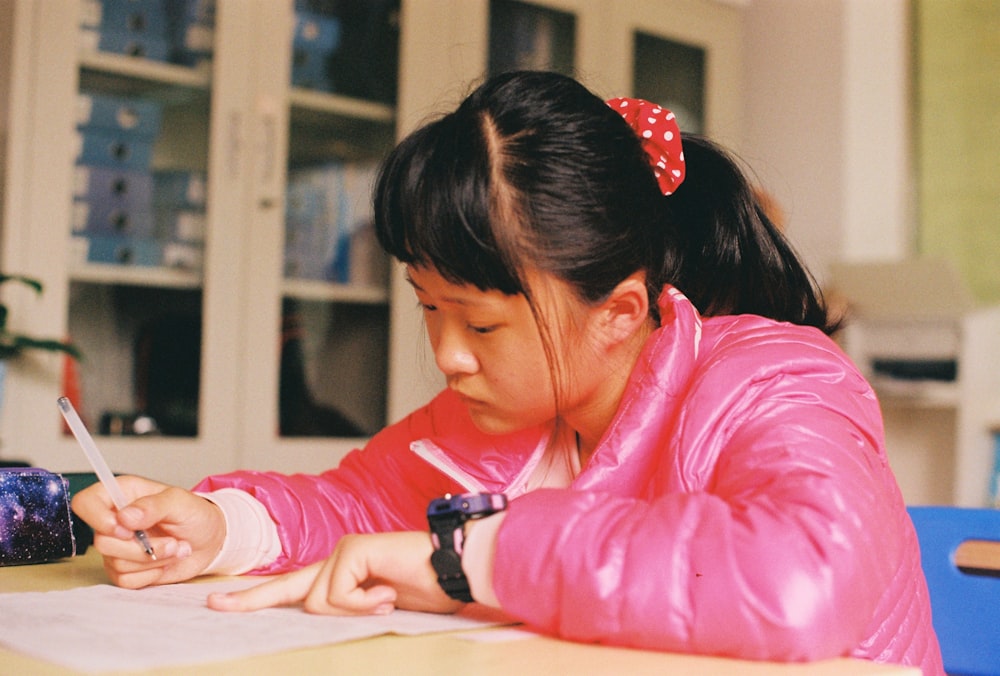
430,282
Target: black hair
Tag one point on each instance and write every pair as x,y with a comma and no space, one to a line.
534,171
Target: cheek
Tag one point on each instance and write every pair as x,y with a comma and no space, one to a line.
525,384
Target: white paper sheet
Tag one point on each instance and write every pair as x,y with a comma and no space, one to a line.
104,628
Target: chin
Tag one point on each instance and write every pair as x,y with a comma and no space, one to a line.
490,424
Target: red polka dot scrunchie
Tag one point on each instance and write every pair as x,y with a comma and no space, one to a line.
661,139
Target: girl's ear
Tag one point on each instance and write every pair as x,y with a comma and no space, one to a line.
626,311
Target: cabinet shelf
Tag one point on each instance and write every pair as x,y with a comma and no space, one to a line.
310,104
303,289
124,275
136,76
326,125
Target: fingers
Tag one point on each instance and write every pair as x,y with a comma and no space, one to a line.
185,530
281,591
94,505
345,585
129,566
128,549
324,588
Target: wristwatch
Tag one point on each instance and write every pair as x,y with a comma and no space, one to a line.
447,517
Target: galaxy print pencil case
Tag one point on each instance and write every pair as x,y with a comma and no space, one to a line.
35,518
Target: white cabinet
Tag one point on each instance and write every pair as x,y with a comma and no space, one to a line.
934,360
243,122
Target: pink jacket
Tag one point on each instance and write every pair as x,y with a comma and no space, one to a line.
740,504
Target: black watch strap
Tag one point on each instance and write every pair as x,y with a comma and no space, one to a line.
448,566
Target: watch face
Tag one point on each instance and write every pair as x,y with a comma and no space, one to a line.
440,507
470,505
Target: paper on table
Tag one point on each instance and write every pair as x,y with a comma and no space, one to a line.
104,628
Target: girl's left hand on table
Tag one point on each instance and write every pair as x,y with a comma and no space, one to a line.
366,575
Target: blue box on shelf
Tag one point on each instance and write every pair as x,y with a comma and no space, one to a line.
122,249
147,17
127,115
328,233
138,45
315,31
315,39
102,218
109,149
117,188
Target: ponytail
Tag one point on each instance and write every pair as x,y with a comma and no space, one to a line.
729,257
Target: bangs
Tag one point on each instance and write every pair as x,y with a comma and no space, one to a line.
433,206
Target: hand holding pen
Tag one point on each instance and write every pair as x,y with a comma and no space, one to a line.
104,472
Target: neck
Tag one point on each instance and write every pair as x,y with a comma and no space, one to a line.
592,419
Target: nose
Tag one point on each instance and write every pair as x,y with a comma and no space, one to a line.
452,355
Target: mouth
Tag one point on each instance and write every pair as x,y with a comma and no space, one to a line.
466,399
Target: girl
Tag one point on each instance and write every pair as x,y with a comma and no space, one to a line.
637,362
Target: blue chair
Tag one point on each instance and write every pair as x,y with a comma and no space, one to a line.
965,604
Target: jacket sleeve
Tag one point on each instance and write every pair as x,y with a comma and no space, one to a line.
382,487
772,540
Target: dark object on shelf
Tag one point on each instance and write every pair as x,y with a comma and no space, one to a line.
168,365
299,414
917,369
366,60
126,424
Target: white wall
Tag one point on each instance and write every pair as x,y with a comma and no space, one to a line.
827,123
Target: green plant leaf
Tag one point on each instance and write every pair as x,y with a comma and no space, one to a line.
29,281
13,344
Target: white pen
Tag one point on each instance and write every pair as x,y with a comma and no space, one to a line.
100,466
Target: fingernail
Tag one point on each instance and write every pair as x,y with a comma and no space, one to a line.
183,550
384,609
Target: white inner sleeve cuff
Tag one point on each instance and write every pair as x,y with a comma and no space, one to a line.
478,554
251,536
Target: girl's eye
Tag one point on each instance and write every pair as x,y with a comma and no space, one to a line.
426,307
482,329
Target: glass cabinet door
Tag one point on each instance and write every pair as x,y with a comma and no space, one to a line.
333,364
672,74
139,212
686,57
527,36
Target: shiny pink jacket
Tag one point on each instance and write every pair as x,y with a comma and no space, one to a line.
739,504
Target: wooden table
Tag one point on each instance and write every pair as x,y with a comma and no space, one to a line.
428,654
